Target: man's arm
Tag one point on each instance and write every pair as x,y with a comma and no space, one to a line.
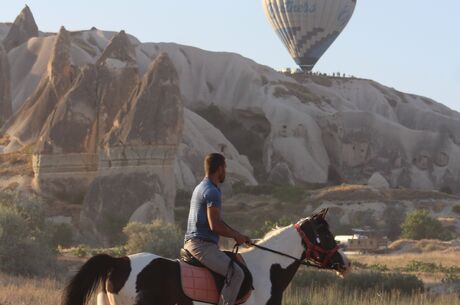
221,228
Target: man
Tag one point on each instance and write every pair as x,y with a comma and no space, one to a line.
205,225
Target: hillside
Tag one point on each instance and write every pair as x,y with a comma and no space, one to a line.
76,95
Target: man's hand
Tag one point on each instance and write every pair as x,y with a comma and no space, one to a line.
241,239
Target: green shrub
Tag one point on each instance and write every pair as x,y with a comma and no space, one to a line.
418,266
456,208
289,194
420,225
111,227
61,235
157,237
24,248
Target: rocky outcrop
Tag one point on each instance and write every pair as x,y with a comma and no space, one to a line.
313,125
25,125
199,139
5,87
119,53
378,181
23,28
136,165
66,156
4,29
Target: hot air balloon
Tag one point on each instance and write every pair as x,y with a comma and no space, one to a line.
308,27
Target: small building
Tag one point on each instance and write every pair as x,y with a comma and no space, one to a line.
363,240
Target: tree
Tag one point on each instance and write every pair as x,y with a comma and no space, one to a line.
23,244
420,225
158,237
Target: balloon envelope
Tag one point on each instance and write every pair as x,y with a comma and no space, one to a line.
308,27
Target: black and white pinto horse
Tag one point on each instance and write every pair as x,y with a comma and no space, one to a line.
148,279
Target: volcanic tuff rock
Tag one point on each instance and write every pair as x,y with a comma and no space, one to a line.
137,161
321,128
199,138
4,29
23,28
5,90
66,158
25,125
302,129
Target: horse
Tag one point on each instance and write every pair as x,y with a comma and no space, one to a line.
149,279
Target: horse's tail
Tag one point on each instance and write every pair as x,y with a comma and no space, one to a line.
88,278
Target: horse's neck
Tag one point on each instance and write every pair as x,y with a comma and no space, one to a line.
285,240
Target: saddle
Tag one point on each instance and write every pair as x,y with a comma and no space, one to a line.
203,285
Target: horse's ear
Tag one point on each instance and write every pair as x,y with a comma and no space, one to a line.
321,214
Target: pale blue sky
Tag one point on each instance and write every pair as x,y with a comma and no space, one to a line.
411,45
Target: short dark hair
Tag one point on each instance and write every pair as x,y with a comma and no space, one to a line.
212,162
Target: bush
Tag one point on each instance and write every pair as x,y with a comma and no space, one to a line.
456,209
24,248
418,266
420,225
61,235
289,194
157,237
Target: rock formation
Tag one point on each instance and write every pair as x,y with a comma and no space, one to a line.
136,166
378,181
25,125
23,28
66,157
5,87
306,126
103,137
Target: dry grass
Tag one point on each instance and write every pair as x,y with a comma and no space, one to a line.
26,291
346,192
23,291
334,296
394,261
422,246
13,164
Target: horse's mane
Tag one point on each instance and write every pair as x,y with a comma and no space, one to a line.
273,232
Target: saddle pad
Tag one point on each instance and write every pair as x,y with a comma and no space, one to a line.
198,284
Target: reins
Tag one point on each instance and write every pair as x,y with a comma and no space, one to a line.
301,261
310,249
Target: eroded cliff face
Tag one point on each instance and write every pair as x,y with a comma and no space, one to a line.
98,128
66,156
295,129
6,109
23,28
137,161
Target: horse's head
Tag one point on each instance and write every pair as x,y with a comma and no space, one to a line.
321,249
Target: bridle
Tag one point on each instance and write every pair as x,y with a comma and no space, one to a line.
311,255
312,251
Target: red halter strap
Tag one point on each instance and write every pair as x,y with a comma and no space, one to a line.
312,251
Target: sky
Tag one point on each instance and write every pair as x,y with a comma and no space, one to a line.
410,45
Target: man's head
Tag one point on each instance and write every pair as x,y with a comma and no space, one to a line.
214,167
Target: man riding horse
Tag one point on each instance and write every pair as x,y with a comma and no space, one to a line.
205,225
